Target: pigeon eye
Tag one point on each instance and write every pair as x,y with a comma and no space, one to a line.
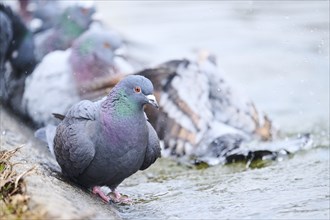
106,45
137,89
84,11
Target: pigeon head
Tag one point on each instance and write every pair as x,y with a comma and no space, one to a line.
131,94
76,18
93,54
99,44
45,14
139,90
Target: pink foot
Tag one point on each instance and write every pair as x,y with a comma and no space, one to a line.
114,196
97,191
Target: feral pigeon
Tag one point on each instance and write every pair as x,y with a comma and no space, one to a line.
18,56
73,21
94,57
41,15
203,118
102,143
63,78
6,35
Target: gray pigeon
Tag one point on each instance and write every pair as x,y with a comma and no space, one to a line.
94,58
6,35
85,71
20,52
204,118
102,143
40,15
74,20
17,53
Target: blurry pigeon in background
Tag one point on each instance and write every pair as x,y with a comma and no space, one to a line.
18,56
73,21
203,118
6,35
85,71
41,15
102,143
95,56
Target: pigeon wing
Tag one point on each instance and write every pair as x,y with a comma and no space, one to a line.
230,105
74,148
153,148
184,105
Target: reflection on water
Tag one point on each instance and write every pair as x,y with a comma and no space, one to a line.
276,51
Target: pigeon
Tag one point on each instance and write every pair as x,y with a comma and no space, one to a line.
87,70
73,21
203,118
6,36
97,65
41,15
102,143
19,56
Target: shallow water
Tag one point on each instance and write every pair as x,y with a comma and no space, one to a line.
295,188
278,52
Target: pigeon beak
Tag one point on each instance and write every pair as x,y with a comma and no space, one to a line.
120,52
152,101
97,16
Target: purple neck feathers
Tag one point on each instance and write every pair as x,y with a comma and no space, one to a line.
87,68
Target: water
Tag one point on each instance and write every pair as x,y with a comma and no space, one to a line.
295,188
278,52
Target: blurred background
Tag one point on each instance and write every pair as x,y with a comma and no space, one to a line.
278,51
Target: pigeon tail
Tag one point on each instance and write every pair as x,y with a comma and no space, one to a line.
47,135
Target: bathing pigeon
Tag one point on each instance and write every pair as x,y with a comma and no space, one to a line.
18,56
203,117
85,71
73,21
102,143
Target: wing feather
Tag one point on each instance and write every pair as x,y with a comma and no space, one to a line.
74,148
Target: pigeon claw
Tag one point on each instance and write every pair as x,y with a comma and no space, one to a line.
116,197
